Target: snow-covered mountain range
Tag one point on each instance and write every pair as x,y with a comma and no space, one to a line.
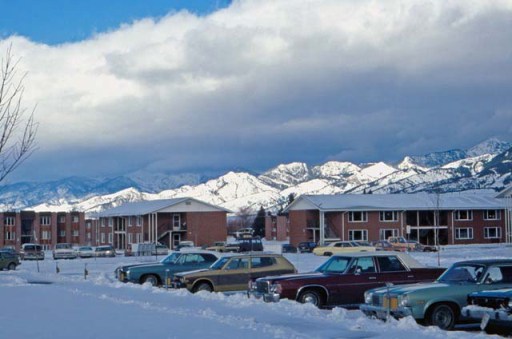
487,165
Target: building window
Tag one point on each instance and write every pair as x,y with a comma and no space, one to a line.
46,235
75,233
88,235
492,232
139,221
384,234
45,220
358,235
492,215
102,222
464,233
110,222
130,238
102,238
357,217
62,219
10,235
388,216
76,218
9,221
88,224
464,215
129,221
139,237
176,221
110,238
62,233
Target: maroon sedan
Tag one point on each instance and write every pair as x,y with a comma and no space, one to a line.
343,279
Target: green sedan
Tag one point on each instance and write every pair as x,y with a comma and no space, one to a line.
439,303
161,273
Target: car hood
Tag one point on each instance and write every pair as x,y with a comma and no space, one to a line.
401,289
152,265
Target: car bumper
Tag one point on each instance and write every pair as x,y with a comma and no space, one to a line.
177,284
267,297
64,256
476,312
383,312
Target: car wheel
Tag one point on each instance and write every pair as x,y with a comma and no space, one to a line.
11,266
443,317
204,286
311,297
152,279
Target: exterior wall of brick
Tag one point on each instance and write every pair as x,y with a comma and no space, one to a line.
338,226
276,227
205,228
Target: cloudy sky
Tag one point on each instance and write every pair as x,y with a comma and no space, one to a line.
201,86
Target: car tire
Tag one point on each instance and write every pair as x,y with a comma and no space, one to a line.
311,297
150,278
442,316
11,266
203,286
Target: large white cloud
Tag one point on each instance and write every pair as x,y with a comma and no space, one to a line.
266,81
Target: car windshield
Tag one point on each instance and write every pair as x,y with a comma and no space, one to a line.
219,263
63,246
334,265
171,258
85,248
462,273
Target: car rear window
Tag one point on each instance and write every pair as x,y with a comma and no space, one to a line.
390,264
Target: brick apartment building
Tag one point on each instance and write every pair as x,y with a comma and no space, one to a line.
276,227
45,228
166,221
451,218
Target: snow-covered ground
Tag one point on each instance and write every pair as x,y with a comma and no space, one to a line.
45,304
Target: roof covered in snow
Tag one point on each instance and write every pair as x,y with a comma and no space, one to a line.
379,202
155,206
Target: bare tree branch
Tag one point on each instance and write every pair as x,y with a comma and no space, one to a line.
17,130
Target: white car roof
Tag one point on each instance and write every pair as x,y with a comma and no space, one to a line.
406,258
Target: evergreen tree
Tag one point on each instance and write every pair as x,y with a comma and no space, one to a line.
259,223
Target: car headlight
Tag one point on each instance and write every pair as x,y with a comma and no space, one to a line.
403,300
276,288
510,303
127,274
368,296
183,280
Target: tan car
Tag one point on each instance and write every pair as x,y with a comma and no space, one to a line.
342,247
233,273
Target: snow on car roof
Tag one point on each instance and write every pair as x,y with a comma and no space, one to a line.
406,258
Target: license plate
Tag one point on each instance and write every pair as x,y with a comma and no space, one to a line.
485,321
121,276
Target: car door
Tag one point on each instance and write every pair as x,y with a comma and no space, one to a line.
234,276
391,270
360,276
3,260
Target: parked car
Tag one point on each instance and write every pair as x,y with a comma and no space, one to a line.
492,307
306,246
422,248
8,260
160,249
233,272
184,244
104,251
400,243
340,247
439,303
250,244
157,273
287,248
85,252
384,245
31,252
244,232
64,251
343,279
10,249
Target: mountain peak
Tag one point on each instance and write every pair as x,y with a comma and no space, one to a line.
490,146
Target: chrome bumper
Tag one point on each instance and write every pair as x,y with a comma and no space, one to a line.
477,312
383,312
267,297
